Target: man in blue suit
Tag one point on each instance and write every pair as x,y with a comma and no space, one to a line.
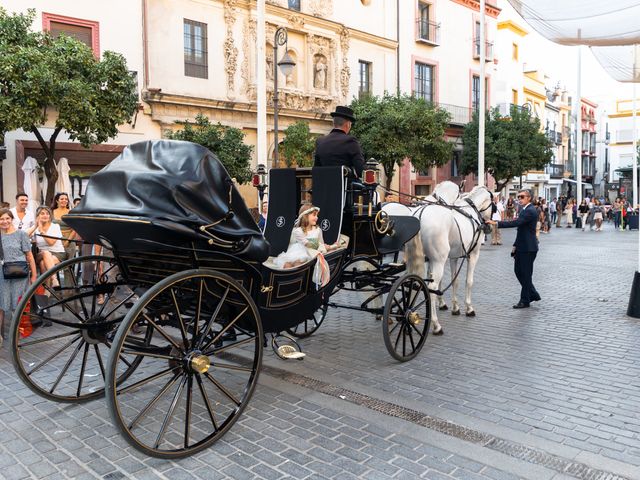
525,248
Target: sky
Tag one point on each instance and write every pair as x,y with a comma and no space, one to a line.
560,64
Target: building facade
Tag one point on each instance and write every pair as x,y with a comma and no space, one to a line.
616,148
439,60
115,26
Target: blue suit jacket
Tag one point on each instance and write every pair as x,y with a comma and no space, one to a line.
526,240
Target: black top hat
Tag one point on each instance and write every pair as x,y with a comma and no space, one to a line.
344,112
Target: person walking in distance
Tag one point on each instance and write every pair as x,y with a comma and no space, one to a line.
497,213
525,248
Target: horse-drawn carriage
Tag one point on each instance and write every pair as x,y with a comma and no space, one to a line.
170,325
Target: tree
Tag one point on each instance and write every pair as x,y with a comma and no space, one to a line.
40,73
393,128
513,145
298,145
226,142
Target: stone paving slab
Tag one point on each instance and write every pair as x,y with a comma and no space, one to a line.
561,377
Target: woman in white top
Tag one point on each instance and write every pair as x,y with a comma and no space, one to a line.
50,250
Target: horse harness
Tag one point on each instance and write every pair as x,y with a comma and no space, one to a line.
477,223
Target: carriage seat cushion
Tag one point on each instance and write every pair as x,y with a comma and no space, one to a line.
270,262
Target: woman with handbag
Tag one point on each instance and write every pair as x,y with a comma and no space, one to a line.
18,266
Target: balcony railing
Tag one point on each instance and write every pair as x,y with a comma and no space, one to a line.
488,50
558,138
428,32
555,170
459,115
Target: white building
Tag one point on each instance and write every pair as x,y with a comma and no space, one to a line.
618,153
116,26
439,61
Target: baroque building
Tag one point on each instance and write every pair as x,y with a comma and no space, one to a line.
201,58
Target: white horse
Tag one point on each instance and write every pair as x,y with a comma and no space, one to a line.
447,232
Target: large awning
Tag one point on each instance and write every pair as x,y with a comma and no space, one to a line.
583,22
586,185
610,28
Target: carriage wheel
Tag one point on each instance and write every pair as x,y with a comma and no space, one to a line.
406,318
310,325
197,372
63,326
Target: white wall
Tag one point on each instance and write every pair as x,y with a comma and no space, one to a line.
120,30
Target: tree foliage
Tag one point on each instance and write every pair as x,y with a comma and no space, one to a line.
298,145
40,73
392,128
513,145
226,142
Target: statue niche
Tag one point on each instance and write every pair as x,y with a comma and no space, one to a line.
320,68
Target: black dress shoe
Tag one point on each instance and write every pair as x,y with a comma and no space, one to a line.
521,305
536,298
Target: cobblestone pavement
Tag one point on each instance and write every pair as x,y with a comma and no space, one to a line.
549,392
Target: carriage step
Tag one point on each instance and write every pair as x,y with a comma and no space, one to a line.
289,352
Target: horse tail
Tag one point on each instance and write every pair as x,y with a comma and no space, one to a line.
414,256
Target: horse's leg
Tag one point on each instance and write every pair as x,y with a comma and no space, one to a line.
471,267
455,308
437,269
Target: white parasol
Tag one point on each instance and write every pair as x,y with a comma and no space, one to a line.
63,184
31,186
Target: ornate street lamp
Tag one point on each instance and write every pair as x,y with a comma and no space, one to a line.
259,181
286,65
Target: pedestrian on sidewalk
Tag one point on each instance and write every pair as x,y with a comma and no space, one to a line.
497,214
553,212
598,215
568,212
583,209
525,248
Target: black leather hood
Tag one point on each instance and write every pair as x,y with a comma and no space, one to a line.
174,184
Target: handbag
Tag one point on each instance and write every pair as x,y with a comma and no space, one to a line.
13,269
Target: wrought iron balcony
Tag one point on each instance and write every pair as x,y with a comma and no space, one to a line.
459,115
428,32
488,50
555,170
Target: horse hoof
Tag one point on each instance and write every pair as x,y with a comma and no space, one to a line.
440,331
455,312
443,307
472,313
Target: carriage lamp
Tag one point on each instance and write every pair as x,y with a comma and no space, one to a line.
259,180
370,175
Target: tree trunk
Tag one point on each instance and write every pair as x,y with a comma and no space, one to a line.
50,169
388,178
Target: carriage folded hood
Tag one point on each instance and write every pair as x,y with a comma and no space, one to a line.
169,183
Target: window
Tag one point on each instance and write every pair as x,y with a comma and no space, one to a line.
422,190
475,92
86,31
477,40
364,85
455,163
514,96
514,51
195,49
423,81
424,21
294,5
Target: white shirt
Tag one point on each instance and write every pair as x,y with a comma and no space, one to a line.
27,221
498,214
54,231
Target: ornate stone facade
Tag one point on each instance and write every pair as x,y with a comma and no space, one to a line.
345,72
230,50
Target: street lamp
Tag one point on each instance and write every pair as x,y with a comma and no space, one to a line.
259,181
286,65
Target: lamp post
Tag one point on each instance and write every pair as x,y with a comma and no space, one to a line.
286,65
259,181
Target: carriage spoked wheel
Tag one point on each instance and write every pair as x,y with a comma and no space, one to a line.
309,326
197,372
406,317
63,326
